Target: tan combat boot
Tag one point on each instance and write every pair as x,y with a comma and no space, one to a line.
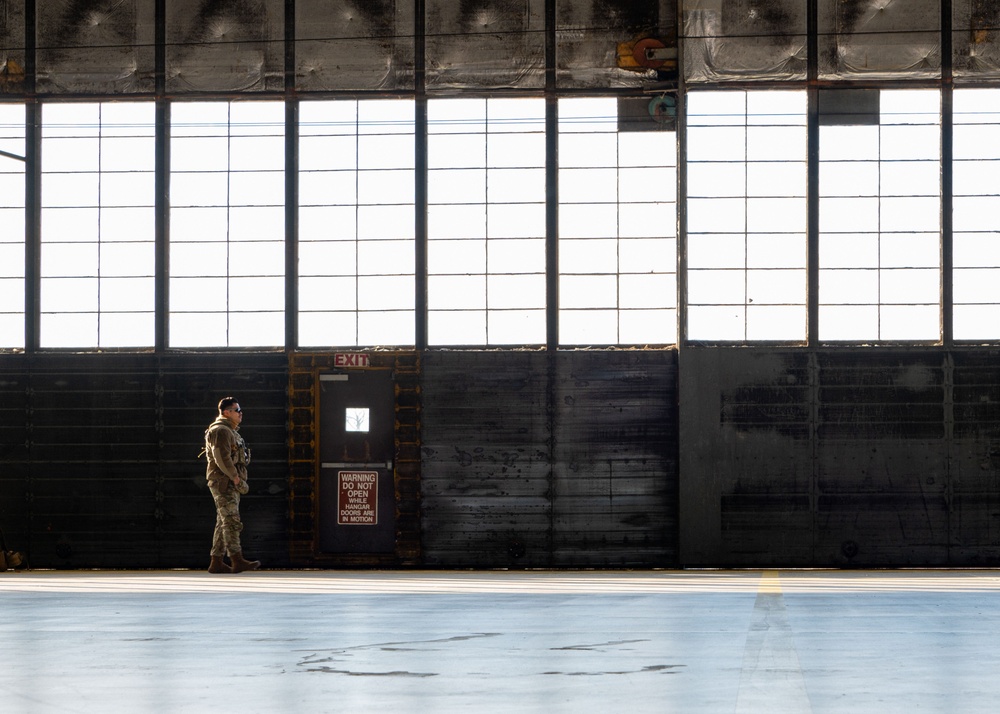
218,565
240,564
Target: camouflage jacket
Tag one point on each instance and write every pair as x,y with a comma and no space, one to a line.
227,453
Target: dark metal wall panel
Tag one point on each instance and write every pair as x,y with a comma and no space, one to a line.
540,460
191,387
614,496
486,459
858,458
109,475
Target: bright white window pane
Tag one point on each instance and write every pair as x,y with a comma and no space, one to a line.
717,287
724,322
588,291
910,322
522,255
205,329
514,327
587,256
68,330
457,186
844,287
256,329
126,329
848,322
724,215
716,251
588,221
647,327
505,292
318,329
456,257
208,295
69,295
386,328
460,292
327,293
848,250
776,322
455,327
588,327
977,322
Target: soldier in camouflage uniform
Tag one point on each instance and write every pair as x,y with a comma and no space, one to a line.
228,457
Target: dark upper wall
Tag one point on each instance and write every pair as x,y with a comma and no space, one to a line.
191,47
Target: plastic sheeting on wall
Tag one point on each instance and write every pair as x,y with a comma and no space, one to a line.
727,40
94,47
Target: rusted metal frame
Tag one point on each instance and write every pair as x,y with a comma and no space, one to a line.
420,176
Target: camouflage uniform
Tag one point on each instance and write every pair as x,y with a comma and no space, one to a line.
227,459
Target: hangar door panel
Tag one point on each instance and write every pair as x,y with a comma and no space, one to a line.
357,501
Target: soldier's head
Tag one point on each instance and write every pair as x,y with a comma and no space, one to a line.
229,407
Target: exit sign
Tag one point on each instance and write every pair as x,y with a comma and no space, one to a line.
350,359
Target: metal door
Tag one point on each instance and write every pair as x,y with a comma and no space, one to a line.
357,495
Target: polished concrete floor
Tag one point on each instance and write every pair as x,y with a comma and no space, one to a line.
429,642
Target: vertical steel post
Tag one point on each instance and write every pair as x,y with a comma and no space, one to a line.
291,185
420,177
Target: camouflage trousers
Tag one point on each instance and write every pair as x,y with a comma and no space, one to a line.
228,525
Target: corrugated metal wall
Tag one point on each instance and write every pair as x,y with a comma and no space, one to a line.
99,467
876,457
565,459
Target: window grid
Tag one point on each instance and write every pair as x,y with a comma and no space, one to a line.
356,223
12,144
227,245
976,191
617,229
747,216
486,221
880,224
97,243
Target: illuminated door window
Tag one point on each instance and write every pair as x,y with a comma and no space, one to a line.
12,144
227,224
356,419
97,227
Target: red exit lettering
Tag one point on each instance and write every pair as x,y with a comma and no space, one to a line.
348,359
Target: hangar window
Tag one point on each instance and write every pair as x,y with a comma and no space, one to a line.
12,163
976,207
747,216
356,223
486,221
880,221
617,228
227,224
97,237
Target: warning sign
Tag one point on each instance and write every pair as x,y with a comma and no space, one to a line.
357,498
